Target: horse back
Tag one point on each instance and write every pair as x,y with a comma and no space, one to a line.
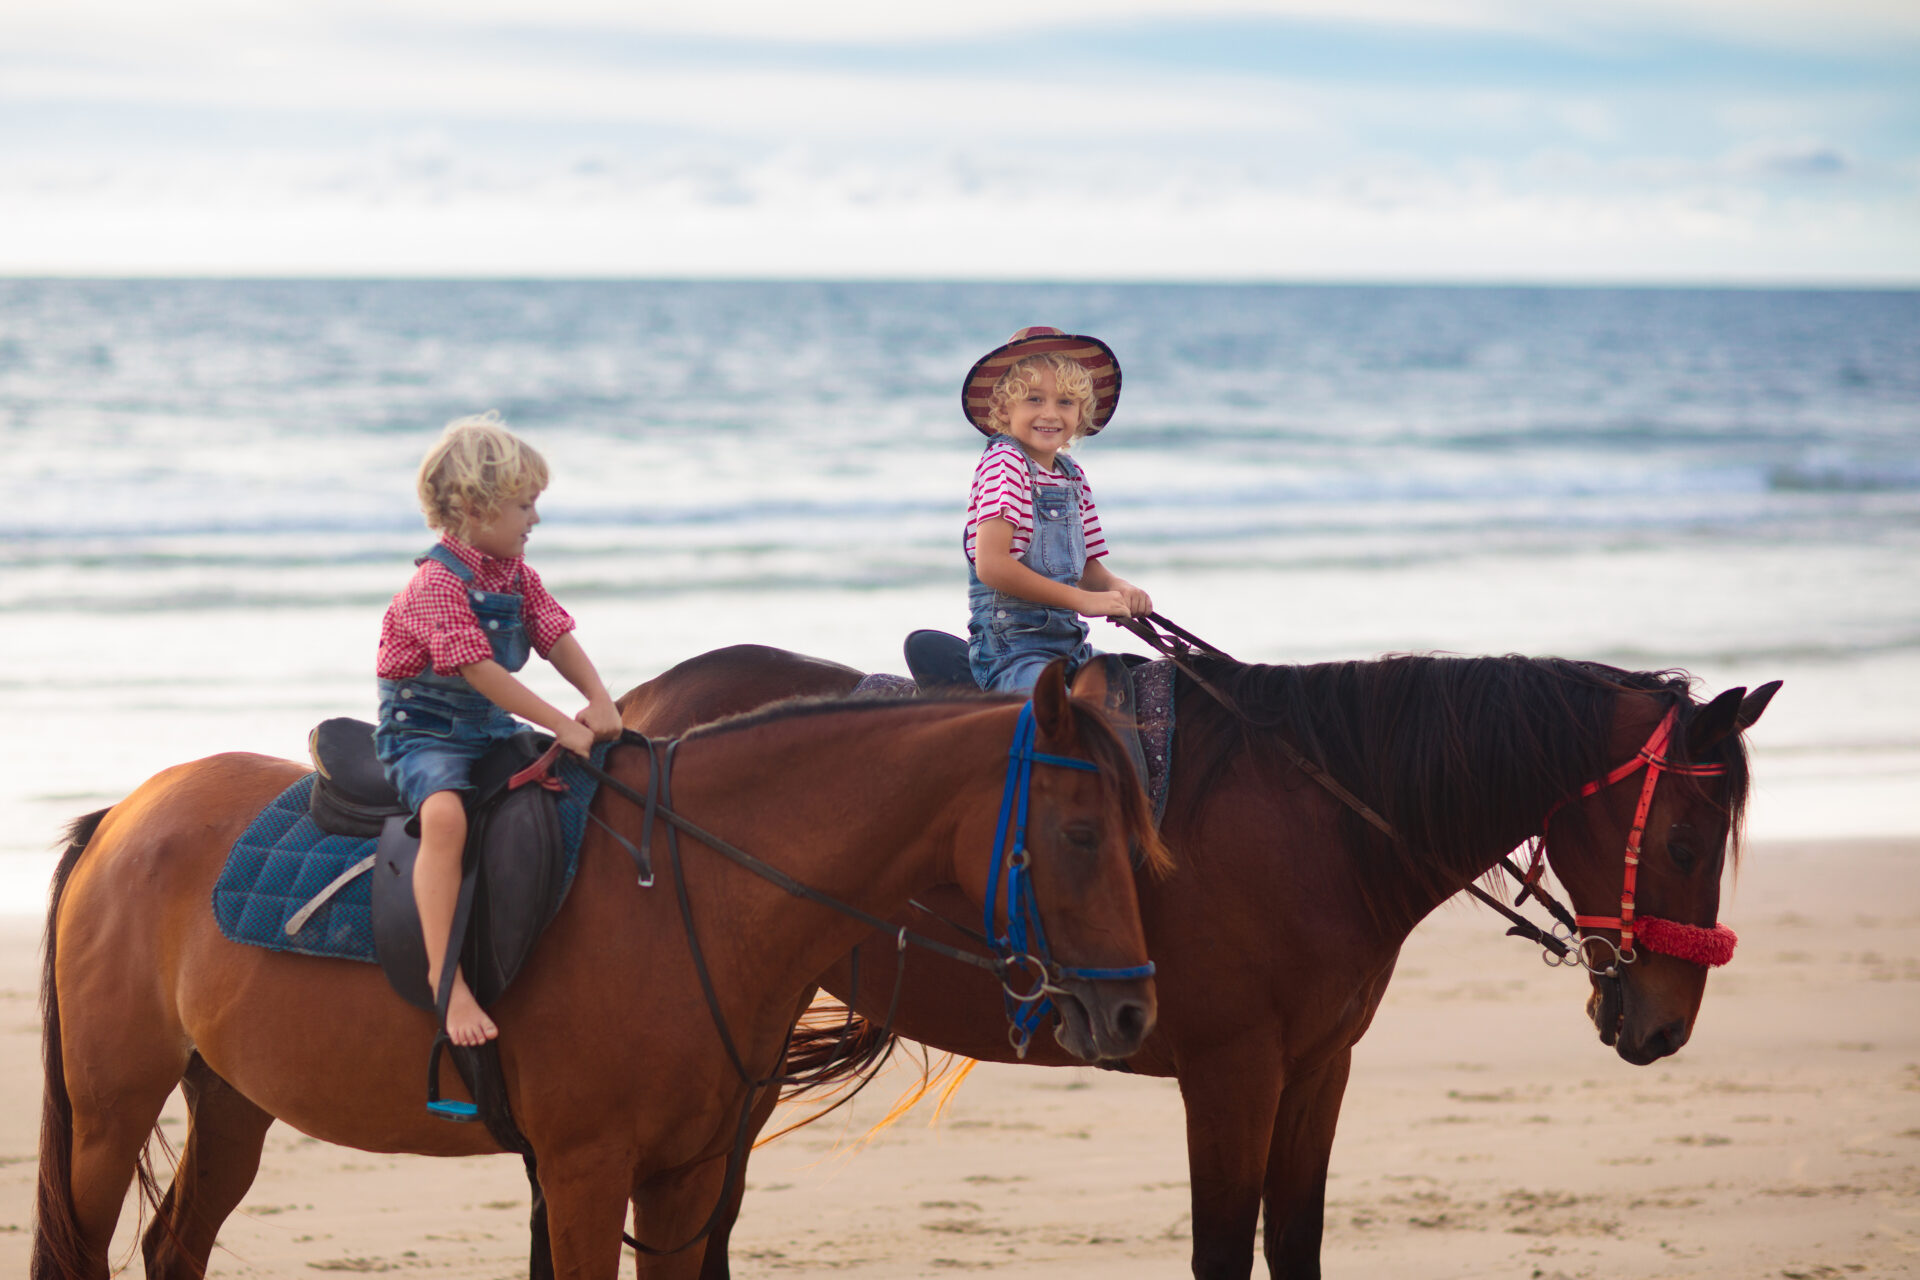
727,682
165,843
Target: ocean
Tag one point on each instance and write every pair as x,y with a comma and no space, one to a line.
213,498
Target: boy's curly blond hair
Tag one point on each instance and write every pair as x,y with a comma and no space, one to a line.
1069,376
474,469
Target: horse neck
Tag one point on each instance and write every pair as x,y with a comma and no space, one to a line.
865,805
1463,782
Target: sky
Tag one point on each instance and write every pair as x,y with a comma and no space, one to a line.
1685,141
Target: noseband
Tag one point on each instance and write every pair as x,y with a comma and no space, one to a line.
1710,947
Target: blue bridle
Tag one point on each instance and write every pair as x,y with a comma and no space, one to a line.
1024,940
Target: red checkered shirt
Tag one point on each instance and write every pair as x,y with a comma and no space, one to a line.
431,620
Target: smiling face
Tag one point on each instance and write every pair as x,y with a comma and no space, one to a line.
1044,420
503,533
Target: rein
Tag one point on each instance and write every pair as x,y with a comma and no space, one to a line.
1704,946
1024,943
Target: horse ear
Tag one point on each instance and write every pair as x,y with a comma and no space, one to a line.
1754,703
1052,710
1713,722
1090,682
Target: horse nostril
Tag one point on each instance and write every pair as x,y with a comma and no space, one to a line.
1671,1038
1131,1022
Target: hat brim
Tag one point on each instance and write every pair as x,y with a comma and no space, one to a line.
1091,354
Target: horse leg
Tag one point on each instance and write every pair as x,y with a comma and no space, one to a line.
670,1208
1231,1097
224,1136
113,1118
587,1190
714,1262
1296,1194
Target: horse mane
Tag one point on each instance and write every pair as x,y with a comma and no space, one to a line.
1458,754
1103,747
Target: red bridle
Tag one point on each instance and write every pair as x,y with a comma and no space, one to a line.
1703,946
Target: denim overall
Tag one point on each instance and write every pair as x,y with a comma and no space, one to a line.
1010,640
433,727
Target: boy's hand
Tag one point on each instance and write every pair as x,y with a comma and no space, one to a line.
1106,604
602,719
1139,603
575,737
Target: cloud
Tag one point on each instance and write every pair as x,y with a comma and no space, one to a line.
1474,139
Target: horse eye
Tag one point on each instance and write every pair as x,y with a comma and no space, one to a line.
1082,835
1681,846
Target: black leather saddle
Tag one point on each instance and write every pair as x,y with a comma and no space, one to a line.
938,661
514,870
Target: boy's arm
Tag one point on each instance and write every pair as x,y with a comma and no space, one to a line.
994,562
600,716
502,688
1098,577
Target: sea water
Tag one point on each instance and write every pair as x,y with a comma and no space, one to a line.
208,493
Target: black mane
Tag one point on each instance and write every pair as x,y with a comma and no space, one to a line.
1458,754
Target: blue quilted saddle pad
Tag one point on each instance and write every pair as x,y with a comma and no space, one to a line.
283,859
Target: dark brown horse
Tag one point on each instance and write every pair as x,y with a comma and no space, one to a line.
615,1069
1278,931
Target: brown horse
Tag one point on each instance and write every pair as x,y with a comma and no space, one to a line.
1278,931
615,1068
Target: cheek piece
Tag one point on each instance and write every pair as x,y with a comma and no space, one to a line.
1703,945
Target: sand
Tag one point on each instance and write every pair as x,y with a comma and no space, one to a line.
1486,1133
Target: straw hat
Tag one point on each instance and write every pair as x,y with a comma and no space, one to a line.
1095,356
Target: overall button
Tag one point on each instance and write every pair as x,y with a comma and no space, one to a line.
999,613
406,693
493,624
477,597
399,715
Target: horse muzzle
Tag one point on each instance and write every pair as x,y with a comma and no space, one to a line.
1607,1006
1099,1021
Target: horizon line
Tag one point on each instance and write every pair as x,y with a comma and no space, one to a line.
1836,284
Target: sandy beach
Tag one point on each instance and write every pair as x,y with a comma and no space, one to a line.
1486,1133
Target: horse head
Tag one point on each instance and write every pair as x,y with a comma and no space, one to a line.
1082,826
1649,920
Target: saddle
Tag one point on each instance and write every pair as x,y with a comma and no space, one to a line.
938,661
514,871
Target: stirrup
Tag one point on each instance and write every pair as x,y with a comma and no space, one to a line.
445,1108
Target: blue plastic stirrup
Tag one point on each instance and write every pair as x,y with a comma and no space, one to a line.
453,1109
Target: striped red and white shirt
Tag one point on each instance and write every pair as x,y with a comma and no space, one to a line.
431,621
1002,488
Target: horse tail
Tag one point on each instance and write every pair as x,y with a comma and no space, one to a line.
832,1045
56,1235
836,1052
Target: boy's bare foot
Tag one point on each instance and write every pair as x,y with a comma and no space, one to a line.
467,1023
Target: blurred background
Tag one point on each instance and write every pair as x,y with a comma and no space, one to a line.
1478,326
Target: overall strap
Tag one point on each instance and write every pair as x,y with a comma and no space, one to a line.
462,570
454,564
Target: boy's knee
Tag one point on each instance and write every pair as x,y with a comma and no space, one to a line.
443,815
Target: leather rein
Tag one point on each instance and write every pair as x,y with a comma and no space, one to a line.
1023,942
1566,945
